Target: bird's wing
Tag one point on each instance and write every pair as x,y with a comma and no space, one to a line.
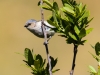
47,24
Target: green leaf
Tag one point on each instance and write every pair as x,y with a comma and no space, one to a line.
56,9
47,8
93,47
84,8
39,57
55,6
98,71
92,69
83,22
82,42
48,3
50,22
53,62
80,7
86,14
77,31
64,22
70,18
29,56
89,20
33,68
64,1
97,48
26,51
37,64
38,3
68,9
55,18
89,30
82,33
70,40
94,56
67,29
72,36
55,70
43,63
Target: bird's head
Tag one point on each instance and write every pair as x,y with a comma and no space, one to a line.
29,22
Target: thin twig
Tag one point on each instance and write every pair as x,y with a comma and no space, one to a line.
45,37
74,59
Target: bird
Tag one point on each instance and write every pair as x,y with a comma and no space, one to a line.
36,28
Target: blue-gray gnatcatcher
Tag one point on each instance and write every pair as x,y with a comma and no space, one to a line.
35,27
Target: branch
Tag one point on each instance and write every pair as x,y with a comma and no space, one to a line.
74,59
45,37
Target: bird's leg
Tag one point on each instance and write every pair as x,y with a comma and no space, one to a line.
49,38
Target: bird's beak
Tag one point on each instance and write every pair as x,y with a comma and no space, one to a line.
26,26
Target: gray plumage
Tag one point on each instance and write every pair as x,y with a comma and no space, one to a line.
35,27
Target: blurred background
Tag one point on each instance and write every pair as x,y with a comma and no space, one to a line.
15,38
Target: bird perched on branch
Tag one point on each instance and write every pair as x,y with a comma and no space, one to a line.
36,28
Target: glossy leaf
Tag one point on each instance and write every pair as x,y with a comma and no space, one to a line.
76,29
47,8
55,6
70,18
48,3
37,64
39,57
43,63
64,1
72,36
97,48
82,33
89,30
69,9
53,62
86,14
50,22
55,18
92,69
55,70
33,68
80,7
89,20
64,22
29,56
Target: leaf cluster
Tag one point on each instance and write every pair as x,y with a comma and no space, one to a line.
37,64
71,20
97,58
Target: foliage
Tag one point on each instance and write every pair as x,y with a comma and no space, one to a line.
97,58
71,20
37,64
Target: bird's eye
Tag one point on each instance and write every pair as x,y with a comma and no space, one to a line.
29,24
